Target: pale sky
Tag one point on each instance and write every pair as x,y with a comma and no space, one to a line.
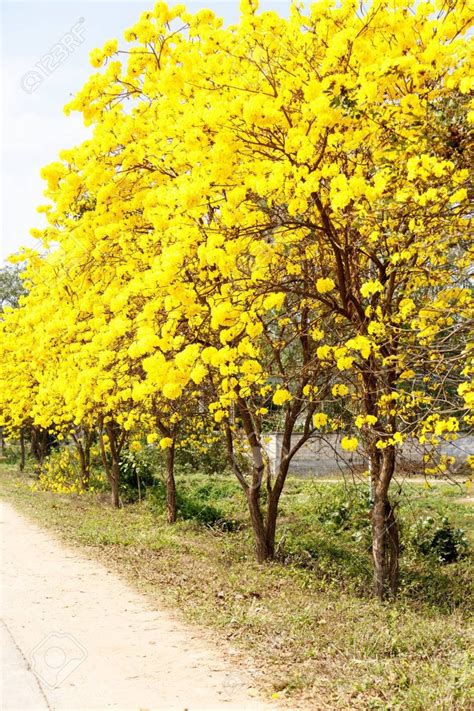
45,50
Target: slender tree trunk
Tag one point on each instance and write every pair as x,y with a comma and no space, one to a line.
264,527
22,450
263,550
252,495
112,469
393,540
172,432
2,442
264,545
272,508
270,523
83,466
41,442
378,545
114,483
385,535
139,486
83,445
115,443
274,492
171,506
88,435
35,449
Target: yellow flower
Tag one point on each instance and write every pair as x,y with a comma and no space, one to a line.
345,362
362,420
320,419
323,352
281,396
371,287
350,444
166,443
339,389
317,334
459,196
172,390
323,286
361,344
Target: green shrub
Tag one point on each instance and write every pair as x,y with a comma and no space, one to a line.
205,504
137,472
207,501
12,454
438,538
205,458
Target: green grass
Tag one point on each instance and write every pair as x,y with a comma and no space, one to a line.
307,621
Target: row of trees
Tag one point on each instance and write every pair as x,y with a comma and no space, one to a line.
268,226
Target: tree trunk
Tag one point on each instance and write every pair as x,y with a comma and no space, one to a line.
271,521
385,535
115,443
393,542
275,492
41,443
172,432
85,473
84,450
114,483
378,545
171,506
263,548
264,544
88,436
264,528
386,548
252,494
112,469
22,450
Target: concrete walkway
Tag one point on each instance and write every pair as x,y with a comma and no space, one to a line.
75,637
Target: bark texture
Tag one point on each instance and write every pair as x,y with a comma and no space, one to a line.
385,532
171,505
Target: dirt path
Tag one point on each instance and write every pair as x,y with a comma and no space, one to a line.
76,637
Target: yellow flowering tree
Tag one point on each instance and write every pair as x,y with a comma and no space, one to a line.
341,157
278,208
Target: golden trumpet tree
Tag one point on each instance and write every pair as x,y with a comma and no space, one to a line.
280,207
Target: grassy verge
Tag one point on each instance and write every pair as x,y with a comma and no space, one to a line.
307,621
